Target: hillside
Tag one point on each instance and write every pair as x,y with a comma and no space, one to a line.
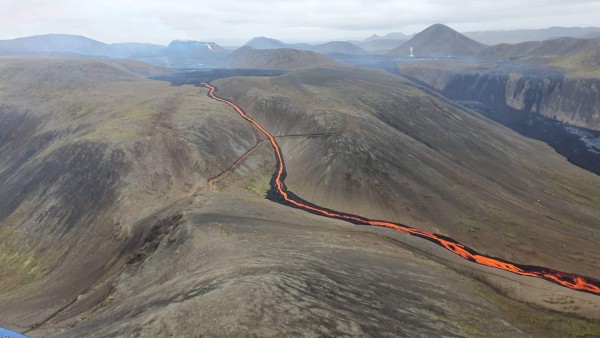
332,47
389,150
134,207
558,47
339,47
188,54
277,59
54,43
438,40
265,43
524,35
269,43
73,44
381,46
234,264
90,153
576,57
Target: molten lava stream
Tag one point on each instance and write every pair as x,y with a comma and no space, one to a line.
569,280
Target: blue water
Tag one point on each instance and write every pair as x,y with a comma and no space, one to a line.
4,333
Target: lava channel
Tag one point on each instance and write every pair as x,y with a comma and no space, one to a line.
280,194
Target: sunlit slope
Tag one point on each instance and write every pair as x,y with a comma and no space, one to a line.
378,146
88,149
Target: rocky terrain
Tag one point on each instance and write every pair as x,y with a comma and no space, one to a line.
531,90
389,150
132,207
571,101
238,265
90,152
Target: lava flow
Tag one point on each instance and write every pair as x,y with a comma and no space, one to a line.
280,194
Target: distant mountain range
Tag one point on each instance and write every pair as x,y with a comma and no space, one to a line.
332,47
436,41
380,44
74,44
497,37
179,53
389,36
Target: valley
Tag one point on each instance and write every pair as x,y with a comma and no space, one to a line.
537,103
401,185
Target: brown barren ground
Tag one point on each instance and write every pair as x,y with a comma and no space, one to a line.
154,253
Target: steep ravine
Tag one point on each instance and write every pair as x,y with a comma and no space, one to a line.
571,101
547,106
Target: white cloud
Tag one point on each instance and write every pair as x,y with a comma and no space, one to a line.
230,21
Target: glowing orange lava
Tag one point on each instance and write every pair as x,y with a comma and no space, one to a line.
569,280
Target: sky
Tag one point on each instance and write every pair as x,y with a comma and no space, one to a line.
233,22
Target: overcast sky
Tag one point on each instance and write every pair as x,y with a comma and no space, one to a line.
236,21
